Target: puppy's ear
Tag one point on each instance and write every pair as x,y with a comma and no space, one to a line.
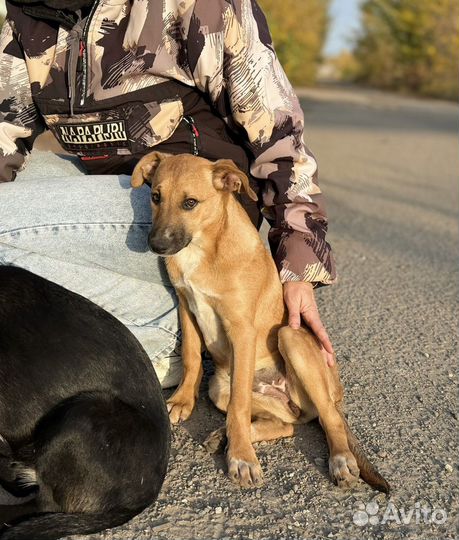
146,168
228,177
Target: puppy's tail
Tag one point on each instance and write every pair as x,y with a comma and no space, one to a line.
51,526
368,471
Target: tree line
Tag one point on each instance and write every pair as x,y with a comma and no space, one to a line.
404,45
299,29
409,45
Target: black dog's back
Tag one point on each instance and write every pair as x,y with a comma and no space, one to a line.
80,407
55,344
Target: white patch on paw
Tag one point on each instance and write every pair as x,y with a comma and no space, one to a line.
344,470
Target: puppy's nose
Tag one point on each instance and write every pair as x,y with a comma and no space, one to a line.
158,243
167,241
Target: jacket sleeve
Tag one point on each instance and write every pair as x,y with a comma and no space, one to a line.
20,122
235,63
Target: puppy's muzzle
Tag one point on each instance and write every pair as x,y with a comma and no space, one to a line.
167,242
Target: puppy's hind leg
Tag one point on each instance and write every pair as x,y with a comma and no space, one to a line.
322,389
302,355
261,429
270,429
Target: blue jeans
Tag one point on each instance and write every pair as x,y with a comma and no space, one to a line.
89,234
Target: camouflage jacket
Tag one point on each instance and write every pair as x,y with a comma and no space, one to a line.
181,75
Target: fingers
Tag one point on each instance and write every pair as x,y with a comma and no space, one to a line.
301,304
312,319
293,304
294,319
329,359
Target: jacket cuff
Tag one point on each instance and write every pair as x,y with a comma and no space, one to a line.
304,257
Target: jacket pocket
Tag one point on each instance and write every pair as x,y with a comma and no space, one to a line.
120,130
152,123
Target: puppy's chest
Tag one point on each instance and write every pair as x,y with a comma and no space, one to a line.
188,272
192,279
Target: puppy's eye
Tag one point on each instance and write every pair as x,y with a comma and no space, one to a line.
189,204
155,197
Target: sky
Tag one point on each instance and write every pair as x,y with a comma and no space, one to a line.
344,23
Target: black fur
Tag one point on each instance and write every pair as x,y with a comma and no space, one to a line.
81,409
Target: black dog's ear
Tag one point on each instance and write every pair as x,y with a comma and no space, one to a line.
146,168
228,177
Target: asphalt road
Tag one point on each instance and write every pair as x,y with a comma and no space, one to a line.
389,170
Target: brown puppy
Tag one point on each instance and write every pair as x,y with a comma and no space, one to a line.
268,377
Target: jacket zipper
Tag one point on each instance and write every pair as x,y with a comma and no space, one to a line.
195,135
80,57
84,52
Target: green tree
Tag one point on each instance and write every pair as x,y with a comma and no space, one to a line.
298,28
410,45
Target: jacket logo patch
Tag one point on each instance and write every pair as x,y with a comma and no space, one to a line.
104,132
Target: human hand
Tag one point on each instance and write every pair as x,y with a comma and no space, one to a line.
301,303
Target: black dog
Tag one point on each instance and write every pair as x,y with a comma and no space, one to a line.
82,418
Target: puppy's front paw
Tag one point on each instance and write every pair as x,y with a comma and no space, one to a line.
344,470
179,409
244,469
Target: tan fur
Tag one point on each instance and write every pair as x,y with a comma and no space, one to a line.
231,302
